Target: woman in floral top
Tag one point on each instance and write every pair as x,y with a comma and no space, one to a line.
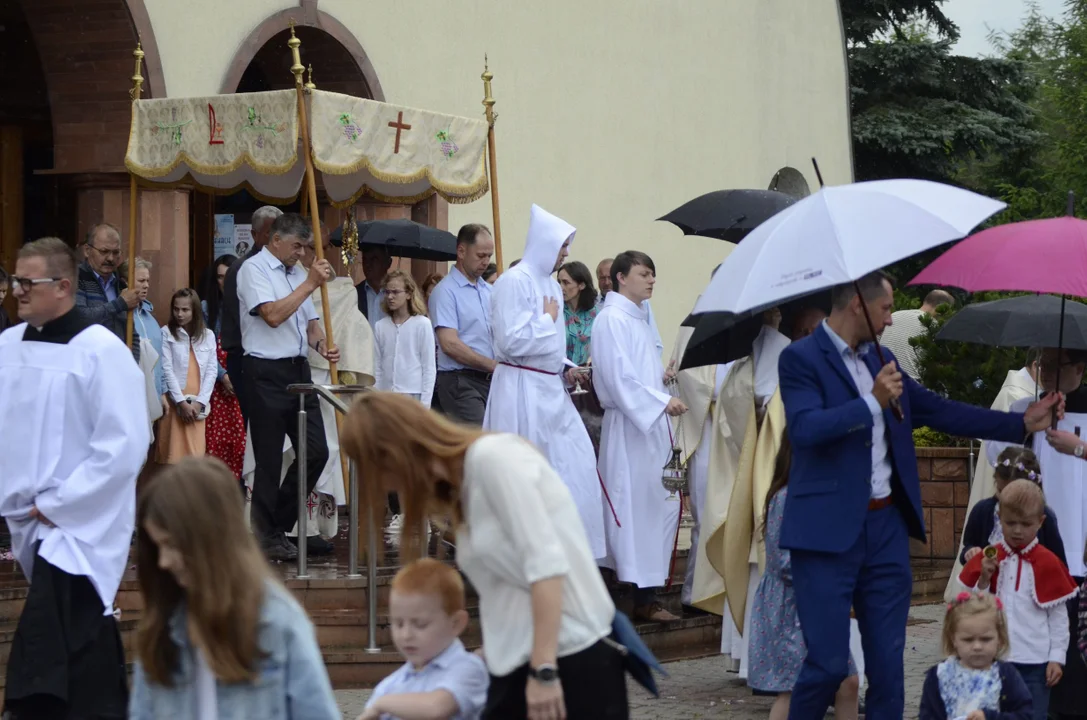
579,296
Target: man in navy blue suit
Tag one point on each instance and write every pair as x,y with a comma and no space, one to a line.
854,495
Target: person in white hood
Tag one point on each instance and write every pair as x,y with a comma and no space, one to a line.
528,395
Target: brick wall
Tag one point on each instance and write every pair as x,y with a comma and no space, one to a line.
945,494
86,54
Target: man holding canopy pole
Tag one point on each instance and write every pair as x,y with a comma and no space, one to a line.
279,326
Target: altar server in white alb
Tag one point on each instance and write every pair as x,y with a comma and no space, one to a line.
528,395
75,436
635,441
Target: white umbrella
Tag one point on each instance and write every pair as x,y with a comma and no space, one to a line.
839,235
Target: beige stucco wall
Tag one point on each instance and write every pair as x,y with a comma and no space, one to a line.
612,111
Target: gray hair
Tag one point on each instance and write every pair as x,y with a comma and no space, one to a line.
142,264
871,287
263,217
292,225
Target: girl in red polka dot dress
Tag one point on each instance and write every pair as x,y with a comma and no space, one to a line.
225,429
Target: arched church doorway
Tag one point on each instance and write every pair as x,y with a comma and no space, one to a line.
263,64
64,113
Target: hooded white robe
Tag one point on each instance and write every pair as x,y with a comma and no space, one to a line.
528,394
635,443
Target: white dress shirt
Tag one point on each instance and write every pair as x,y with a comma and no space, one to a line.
522,526
264,279
404,358
175,364
862,378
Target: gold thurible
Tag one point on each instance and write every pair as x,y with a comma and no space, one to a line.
137,78
296,60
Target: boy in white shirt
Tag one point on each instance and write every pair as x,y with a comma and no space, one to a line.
440,679
1033,585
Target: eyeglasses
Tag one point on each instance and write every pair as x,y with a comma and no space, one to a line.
27,284
107,253
396,292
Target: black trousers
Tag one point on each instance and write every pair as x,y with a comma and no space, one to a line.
274,415
235,368
462,394
594,687
67,661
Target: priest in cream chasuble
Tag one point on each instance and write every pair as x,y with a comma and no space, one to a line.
1019,384
696,431
528,394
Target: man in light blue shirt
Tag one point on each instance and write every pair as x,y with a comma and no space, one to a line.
279,324
460,309
375,264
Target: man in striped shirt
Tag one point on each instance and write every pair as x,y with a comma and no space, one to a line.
906,324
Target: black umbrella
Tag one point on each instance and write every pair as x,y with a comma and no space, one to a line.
721,337
404,238
728,214
1027,321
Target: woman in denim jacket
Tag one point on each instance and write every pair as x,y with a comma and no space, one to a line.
219,638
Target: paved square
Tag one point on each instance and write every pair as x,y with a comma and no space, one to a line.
697,689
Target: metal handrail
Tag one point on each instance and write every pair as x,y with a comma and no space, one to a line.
329,394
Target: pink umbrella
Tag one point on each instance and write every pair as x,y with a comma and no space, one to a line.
1043,256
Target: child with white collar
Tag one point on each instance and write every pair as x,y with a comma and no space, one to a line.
1033,585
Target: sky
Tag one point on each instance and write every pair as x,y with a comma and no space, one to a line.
976,18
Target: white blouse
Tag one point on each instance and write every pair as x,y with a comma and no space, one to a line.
522,526
175,364
404,357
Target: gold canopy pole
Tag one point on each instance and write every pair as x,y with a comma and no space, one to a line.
133,197
315,221
311,189
488,103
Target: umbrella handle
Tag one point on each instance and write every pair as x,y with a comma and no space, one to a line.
896,406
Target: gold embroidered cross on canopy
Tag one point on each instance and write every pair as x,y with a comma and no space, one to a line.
223,143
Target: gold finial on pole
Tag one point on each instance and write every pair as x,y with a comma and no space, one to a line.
296,60
137,78
488,100
310,85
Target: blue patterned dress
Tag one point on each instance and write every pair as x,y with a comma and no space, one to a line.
776,650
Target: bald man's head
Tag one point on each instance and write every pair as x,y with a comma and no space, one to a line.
603,276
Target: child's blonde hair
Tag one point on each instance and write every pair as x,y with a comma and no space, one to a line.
415,300
1017,463
427,576
1023,498
972,604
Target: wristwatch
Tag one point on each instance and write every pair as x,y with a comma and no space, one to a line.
544,674
1078,452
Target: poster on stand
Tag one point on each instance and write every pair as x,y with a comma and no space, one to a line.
224,235
243,239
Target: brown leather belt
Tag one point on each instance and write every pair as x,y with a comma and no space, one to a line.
879,503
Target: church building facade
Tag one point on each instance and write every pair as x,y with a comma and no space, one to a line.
611,112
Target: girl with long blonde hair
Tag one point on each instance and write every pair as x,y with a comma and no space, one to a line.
546,614
219,638
405,359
